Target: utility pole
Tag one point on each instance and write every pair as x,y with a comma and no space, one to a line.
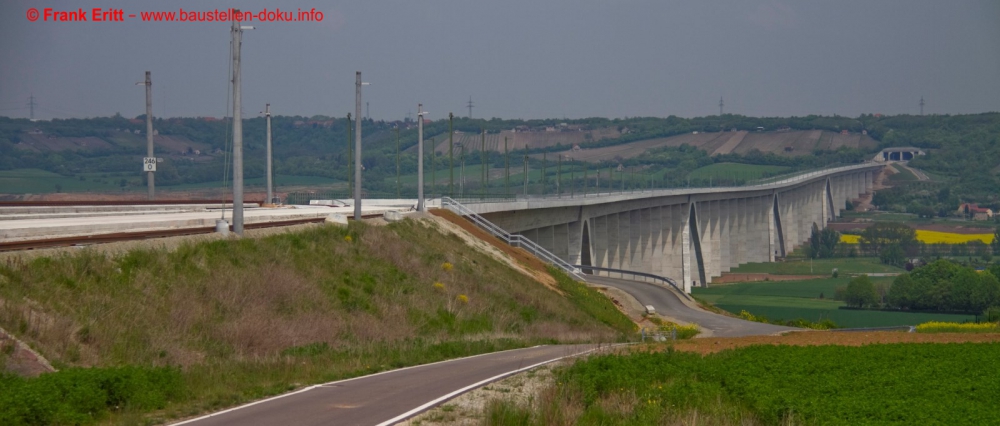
270,193
572,180
434,178
31,106
420,157
526,170
469,104
921,105
544,180
350,156
482,154
461,178
398,195
451,155
720,106
506,168
368,112
150,173
237,32
357,144
559,176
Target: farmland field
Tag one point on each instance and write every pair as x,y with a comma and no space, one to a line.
789,300
767,384
854,265
741,171
932,237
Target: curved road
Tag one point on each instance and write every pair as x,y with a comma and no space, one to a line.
389,397
666,302
393,396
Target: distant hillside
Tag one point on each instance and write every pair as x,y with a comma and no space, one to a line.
787,144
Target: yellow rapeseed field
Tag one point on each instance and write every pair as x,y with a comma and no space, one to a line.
953,327
933,237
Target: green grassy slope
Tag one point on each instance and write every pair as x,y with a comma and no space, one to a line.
247,318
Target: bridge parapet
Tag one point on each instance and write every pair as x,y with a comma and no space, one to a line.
691,235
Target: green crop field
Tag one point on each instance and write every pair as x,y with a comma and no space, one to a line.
789,300
854,265
36,181
740,171
911,384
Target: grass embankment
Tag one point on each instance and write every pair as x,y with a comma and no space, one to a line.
792,300
243,319
873,384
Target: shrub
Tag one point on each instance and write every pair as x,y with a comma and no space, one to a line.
85,395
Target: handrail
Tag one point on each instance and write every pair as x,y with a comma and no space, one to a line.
672,283
516,240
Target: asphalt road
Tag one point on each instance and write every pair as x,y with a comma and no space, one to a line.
666,302
388,397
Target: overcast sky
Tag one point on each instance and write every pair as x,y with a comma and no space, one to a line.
515,58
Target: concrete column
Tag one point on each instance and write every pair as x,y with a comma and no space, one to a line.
687,250
560,242
614,257
724,243
575,243
674,250
762,229
772,229
653,253
636,227
599,240
741,231
717,247
625,247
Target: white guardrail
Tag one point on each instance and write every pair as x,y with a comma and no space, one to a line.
515,240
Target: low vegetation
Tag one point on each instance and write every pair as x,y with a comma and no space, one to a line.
241,319
953,327
768,384
815,301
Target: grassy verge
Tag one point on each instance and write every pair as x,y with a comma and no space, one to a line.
592,302
244,319
771,385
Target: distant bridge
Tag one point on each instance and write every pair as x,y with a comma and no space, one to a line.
691,235
898,154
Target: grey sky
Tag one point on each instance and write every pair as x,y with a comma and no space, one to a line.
517,58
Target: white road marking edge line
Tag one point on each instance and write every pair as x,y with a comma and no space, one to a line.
308,388
445,397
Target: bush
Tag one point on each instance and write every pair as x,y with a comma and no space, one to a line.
861,292
85,395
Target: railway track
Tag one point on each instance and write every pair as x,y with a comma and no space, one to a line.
84,240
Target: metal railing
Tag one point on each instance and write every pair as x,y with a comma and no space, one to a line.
515,240
763,183
672,283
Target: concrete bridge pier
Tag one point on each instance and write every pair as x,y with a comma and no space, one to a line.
690,235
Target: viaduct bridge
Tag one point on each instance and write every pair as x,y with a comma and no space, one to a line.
691,235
